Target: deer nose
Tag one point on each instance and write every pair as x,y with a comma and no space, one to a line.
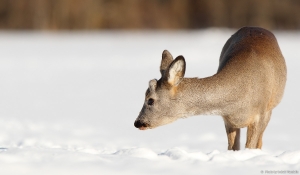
139,124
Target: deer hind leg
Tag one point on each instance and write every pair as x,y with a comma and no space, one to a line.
233,135
255,131
263,126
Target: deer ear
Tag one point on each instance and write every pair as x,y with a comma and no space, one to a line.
176,71
152,85
165,61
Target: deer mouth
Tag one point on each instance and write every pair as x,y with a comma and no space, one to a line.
143,128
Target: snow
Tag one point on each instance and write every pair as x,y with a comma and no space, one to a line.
69,101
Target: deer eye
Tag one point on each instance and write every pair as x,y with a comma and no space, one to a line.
150,101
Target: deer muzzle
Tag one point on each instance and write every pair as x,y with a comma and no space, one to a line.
140,125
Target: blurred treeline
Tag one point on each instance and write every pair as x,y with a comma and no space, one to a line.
148,14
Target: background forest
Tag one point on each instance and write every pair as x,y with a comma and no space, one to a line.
148,14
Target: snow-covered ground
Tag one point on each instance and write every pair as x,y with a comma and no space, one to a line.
68,102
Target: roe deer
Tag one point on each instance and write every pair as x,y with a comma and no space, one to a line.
249,83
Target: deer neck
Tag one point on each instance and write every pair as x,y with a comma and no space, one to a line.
207,96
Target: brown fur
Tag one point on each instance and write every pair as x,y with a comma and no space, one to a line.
249,83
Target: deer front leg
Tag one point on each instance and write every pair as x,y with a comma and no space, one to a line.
233,135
